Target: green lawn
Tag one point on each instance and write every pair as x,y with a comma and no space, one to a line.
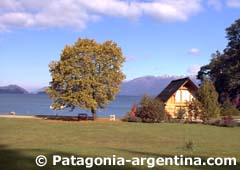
21,140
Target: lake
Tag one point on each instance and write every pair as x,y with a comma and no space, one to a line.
39,104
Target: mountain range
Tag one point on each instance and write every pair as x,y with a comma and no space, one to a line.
12,89
151,85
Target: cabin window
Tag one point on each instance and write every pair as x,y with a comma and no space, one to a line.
183,96
186,96
178,96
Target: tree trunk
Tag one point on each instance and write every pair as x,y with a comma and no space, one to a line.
94,113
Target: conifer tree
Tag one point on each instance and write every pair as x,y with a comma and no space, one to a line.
208,97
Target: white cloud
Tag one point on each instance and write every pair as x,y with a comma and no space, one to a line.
233,3
9,5
115,8
171,10
78,13
217,4
194,51
193,69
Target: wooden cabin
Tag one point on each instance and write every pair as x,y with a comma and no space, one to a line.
177,95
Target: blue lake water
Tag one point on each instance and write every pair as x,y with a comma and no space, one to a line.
39,104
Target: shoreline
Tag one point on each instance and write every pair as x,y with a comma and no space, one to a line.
18,116
58,118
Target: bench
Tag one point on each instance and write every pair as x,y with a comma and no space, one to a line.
112,117
82,116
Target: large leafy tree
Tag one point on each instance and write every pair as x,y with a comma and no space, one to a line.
87,76
224,68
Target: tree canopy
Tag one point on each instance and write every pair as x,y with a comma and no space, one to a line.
224,68
87,76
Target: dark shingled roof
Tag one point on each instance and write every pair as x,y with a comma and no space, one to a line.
173,87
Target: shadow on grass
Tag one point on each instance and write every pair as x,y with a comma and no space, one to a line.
24,159
204,159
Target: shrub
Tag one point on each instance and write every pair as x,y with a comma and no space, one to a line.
228,109
129,118
181,113
189,145
151,109
134,119
195,109
173,120
132,115
225,121
213,121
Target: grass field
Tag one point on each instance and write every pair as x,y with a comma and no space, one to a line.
21,140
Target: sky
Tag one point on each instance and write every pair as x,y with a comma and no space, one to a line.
157,37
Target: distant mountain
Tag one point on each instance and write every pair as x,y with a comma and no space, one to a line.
150,85
12,89
41,91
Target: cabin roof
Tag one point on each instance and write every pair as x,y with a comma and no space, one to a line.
174,86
